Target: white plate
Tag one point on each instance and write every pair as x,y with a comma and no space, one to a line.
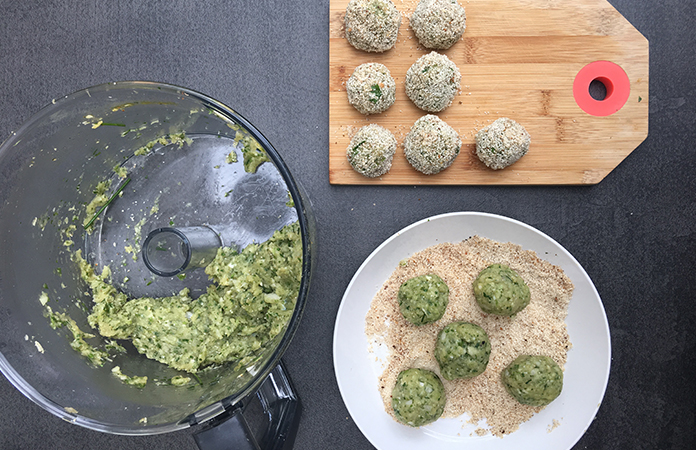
586,372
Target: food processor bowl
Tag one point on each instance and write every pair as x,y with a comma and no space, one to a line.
182,157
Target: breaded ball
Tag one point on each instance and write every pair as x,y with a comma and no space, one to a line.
431,145
423,299
462,350
372,25
533,380
432,82
371,88
418,397
371,150
438,24
500,290
502,143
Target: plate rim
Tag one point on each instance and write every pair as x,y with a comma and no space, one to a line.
495,217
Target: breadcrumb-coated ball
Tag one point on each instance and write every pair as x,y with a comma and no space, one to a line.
502,143
371,150
431,145
432,82
372,25
438,24
371,88
533,379
418,397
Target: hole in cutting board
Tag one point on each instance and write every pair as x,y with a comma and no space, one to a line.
598,90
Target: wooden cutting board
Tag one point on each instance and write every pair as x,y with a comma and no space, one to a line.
518,59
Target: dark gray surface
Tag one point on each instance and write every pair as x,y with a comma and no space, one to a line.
634,232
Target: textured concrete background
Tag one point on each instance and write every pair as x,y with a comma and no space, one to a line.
634,233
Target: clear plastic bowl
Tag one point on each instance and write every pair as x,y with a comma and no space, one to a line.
49,169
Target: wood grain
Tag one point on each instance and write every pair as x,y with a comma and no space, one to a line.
518,59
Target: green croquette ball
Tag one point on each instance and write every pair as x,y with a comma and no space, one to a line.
423,299
462,349
533,380
500,290
418,397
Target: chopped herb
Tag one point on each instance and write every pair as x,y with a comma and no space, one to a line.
111,199
354,150
376,92
640,99
113,124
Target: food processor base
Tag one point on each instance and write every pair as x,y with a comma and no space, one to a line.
265,420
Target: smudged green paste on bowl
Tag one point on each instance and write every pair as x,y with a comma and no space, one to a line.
248,305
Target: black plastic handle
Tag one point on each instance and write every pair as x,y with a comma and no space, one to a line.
273,413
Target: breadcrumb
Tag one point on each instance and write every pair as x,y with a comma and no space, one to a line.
539,329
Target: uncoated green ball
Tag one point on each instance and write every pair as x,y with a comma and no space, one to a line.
423,299
500,290
533,380
418,397
462,349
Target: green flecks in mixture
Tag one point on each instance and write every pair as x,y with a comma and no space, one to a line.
67,233
249,304
180,381
100,199
130,249
41,221
113,346
136,381
60,320
254,155
138,232
100,203
291,202
121,171
231,157
178,139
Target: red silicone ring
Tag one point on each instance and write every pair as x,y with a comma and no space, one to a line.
614,79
